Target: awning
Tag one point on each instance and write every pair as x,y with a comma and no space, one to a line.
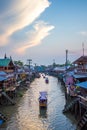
82,84
2,78
59,69
44,93
79,76
2,73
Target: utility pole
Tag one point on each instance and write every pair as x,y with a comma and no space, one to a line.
35,67
54,63
83,48
66,58
83,54
29,61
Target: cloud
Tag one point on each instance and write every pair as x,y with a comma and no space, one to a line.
19,14
41,30
83,33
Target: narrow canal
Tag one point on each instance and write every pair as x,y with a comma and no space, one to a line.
28,116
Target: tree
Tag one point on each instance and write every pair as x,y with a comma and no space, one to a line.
20,63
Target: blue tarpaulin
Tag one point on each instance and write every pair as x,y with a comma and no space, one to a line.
1,121
82,84
3,73
2,78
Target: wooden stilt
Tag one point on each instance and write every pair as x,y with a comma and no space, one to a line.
80,110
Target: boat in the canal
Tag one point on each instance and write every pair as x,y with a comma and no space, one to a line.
46,80
43,99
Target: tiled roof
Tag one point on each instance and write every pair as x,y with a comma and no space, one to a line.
4,62
81,59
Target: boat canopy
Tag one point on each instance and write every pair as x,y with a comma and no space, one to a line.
43,95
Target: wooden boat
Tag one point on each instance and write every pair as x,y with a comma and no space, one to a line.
43,112
43,99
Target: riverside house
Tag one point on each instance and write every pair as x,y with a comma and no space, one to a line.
81,64
7,65
7,78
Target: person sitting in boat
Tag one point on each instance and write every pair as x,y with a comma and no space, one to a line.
42,98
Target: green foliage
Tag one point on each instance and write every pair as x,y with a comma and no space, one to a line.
20,63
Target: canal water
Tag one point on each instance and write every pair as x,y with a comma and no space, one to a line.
26,115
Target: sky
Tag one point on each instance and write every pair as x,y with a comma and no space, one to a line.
42,30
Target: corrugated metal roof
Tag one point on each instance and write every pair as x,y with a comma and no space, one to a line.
82,84
79,76
59,68
4,62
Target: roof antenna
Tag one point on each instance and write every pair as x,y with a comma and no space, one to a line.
83,48
5,56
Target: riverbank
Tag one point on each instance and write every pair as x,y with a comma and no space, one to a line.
9,100
8,110
75,94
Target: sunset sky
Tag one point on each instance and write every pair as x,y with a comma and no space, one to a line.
42,30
